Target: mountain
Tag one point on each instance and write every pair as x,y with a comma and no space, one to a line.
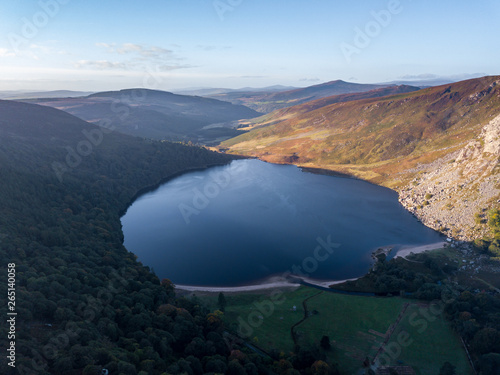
156,114
215,91
424,83
268,102
445,136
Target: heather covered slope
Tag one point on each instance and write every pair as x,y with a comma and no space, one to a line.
291,112
390,140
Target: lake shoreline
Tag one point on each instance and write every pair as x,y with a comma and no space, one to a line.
276,198
294,281
404,252
274,282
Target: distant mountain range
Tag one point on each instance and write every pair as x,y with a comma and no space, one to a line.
156,114
215,91
393,140
14,95
268,99
266,102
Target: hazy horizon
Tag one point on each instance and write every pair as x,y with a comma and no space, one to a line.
96,46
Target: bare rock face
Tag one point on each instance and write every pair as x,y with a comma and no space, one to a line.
452,194
491,135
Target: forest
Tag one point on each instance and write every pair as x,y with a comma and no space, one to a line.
83,302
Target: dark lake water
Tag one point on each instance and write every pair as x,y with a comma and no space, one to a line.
249,220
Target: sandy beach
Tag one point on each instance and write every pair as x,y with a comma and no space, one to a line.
280,282
271,283
326,284
405,251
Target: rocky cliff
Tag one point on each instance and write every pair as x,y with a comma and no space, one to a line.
454,193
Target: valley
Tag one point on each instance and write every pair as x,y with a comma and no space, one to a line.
437,147
155,114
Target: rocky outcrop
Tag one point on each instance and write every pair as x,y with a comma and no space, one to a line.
454,193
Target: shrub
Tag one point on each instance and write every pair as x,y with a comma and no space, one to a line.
478,218
481,245
494,248
494,219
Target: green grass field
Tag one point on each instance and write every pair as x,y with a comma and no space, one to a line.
272,330
349,321
431,342
356,326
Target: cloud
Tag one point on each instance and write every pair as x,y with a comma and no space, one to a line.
109,46
137,49
130,48
4,52
100,65
212,48
252,77
309,79
138,57
146,52
206,48
167,68
43,49
419,76
31,52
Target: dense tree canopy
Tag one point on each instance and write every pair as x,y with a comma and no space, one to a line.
84,302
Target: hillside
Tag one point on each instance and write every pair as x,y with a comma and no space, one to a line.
291,112
268,102
412,142
155,114
83,301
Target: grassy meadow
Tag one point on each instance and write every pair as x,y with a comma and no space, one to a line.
355,325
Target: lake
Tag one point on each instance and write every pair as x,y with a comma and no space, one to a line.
249,220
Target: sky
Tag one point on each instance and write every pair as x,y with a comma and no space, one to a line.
95,45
